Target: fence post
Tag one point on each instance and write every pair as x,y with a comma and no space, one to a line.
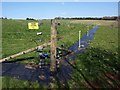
53,45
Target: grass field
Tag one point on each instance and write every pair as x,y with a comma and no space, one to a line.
17,37
111,23
99,60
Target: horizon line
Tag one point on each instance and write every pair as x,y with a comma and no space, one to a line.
64,17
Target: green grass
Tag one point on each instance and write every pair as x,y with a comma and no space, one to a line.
100,58
12,83
106,38
69,32
16,37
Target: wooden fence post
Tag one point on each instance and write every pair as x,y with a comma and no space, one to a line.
53,45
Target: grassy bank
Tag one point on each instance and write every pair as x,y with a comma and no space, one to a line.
99,64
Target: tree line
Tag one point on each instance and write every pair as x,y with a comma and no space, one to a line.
3,18
11,18
90,18
79,18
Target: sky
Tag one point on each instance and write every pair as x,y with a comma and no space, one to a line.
60,0
50,10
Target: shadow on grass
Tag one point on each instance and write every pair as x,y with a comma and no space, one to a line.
81,73
94,63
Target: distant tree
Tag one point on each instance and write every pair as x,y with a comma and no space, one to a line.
5,17
30,19
27,18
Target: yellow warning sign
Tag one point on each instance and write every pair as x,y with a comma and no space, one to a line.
33,25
